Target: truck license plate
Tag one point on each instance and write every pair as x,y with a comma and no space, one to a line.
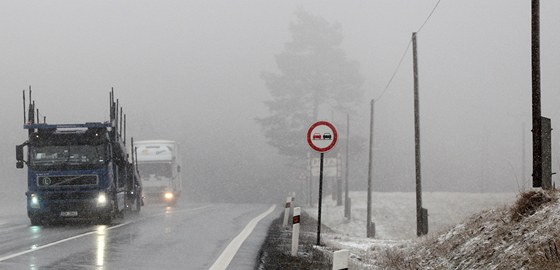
69,214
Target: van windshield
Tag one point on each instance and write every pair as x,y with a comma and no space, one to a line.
154,170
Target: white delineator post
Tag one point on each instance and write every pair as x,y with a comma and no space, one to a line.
295,231
287,211
340,260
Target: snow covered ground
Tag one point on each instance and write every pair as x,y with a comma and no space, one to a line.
394,215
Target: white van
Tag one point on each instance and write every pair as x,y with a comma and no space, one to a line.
158,163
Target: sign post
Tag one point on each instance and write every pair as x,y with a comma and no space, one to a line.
322,137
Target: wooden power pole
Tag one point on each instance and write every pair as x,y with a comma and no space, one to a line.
536,94
421,214
347,208
370,227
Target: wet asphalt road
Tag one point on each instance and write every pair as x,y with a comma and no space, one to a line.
186,236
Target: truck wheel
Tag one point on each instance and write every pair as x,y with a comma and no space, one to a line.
136,206
105,219
36,221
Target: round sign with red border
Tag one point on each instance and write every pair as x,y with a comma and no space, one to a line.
322,136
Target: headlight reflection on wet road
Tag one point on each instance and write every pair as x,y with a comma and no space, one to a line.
100,255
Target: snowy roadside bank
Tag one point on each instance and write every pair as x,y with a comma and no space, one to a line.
395,220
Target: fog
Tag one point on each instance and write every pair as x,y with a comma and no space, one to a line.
190,71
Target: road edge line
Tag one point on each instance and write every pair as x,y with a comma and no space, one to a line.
225,258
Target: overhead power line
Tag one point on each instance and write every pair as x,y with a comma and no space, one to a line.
395,71
429,16
405,51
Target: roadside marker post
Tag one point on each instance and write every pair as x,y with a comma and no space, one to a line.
287,208
340,259
321,137
295,230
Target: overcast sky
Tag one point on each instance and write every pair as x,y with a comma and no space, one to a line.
191,69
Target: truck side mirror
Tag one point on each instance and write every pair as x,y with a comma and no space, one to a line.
19,156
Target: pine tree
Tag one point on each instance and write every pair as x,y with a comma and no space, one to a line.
313,73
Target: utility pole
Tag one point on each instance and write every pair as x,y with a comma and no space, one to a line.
536,93
347,208
421,214
370,227
339,200
523,157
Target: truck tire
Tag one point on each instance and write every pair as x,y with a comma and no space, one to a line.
137,205
105,219
35,221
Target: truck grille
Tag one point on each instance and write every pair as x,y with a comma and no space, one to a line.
76,195
66,180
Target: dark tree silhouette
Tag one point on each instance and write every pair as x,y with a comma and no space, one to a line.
313,73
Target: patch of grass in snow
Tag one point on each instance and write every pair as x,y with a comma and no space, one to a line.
395,258
529,202
275,252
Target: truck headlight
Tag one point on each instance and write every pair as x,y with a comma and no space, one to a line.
34,202
101,199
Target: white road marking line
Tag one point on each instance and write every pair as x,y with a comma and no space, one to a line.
58,242
227,255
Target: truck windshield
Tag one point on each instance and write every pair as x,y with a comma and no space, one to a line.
68,155
154,170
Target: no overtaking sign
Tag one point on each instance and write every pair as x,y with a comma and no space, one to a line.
322,136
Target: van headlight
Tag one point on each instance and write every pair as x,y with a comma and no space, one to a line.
168,196
34,202
101,199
